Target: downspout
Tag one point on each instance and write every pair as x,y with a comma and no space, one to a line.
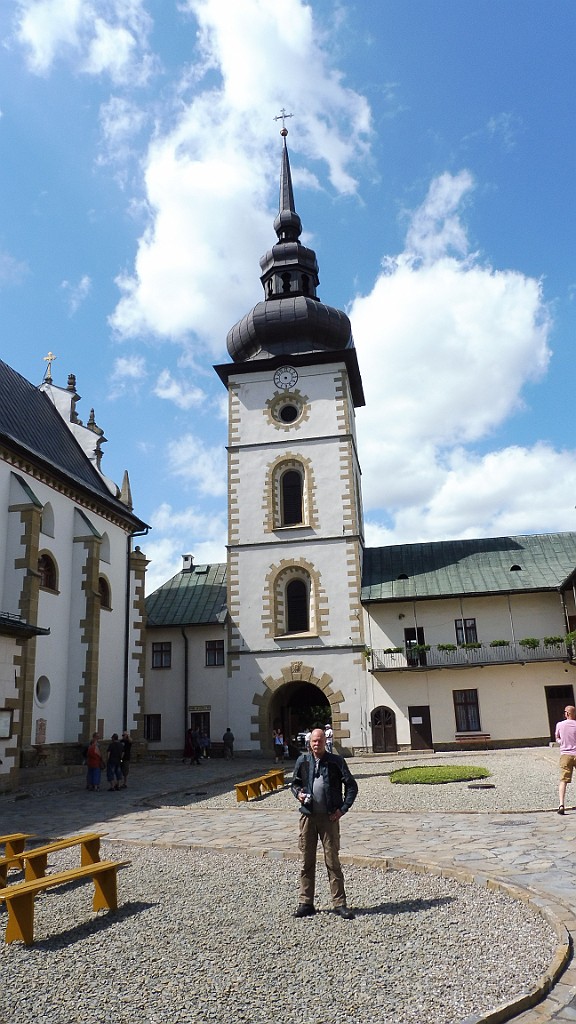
141,533
511,620
186,684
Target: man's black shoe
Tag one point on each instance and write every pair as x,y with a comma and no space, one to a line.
305,910
345,913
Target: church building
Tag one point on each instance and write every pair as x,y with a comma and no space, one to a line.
400,647
71,583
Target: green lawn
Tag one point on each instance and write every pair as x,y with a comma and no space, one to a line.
435,775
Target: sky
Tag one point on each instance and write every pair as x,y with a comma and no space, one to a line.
433,153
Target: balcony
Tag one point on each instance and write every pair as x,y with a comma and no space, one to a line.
430,656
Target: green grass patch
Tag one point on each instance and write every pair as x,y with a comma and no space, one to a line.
437,775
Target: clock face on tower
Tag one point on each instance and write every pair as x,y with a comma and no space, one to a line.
285,377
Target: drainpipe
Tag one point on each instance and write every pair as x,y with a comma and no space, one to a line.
141,533
511,620
186,684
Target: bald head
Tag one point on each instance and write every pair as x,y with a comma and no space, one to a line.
318,742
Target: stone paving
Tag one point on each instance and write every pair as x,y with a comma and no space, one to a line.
532,851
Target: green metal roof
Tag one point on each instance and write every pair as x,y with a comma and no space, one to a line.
456,567
194,597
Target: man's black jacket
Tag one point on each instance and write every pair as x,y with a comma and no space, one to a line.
340,786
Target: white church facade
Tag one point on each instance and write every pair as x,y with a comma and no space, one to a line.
71,583
403,647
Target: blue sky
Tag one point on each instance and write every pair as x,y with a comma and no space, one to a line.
433,154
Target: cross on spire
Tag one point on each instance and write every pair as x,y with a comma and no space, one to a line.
49,359
282,116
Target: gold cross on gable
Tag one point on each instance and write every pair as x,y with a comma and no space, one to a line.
49,359
282,117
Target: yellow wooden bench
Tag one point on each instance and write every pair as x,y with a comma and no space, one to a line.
252,789
14,844
35,861
19,898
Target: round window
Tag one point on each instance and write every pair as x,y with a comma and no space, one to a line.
42,690
288,413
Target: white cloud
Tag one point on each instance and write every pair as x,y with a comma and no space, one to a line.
12,271
76,293
446,347
127,374
184,396
199,464
98,36
210,177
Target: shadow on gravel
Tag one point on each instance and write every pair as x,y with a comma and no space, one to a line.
403,907
97,925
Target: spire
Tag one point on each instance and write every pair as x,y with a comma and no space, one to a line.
291,320
287,225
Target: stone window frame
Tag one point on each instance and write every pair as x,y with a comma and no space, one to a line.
274,617
279,399
48,571
273,519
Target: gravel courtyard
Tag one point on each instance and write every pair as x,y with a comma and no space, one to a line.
209,936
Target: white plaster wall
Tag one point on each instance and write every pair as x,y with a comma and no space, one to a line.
207,685
536,615
512,698
329,559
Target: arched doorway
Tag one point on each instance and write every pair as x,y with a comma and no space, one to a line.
383,722
295,690
297,707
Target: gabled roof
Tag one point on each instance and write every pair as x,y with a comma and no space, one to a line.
30,423
194,597
493,565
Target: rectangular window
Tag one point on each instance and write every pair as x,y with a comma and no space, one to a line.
214,652
466,631
466,710
162,655
153,728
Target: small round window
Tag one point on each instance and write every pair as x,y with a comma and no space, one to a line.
42,690
288,413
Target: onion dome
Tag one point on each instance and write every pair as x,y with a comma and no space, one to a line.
291,320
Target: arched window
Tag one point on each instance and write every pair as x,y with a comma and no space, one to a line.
297,607
47,571
291,497
104,591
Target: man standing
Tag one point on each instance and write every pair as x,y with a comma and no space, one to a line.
228,741
326,789
566,737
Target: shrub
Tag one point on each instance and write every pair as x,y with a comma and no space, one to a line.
446,647
553,641
499,643
435,775
472,645
530,641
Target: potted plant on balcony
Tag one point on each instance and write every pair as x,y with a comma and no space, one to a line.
553,641
570,641
499,643
471,645
446,647
530,642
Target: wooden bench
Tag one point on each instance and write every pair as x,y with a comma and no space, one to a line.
14,844
252,789
35,861
481,738
20,898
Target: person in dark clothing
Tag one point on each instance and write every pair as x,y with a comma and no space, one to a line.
126,755
114,762
326,790
228,741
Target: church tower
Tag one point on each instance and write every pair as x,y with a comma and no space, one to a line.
295,530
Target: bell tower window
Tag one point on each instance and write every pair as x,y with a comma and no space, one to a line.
297,607
291,497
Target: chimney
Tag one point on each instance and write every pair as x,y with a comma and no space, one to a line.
187,563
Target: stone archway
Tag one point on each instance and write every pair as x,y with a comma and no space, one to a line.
269,703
